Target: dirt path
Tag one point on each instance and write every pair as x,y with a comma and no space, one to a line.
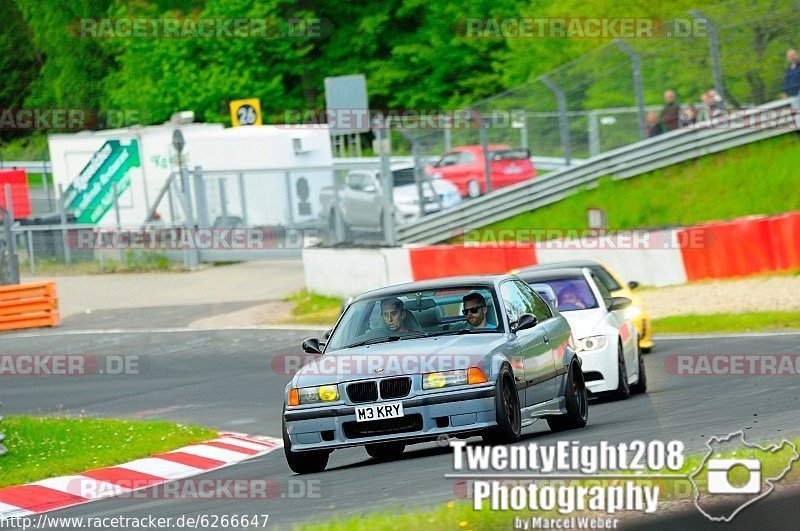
771,293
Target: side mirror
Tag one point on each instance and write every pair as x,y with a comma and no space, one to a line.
526,320
311,345
328,334
619,303
633,284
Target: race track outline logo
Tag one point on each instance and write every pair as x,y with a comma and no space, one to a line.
718,482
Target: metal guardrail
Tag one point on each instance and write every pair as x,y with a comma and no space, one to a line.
339,163
365,163
628,161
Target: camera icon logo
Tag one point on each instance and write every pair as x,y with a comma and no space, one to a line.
748,475
719,481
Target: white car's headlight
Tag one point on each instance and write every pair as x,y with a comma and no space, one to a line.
590,343
437,175
313,395
632,312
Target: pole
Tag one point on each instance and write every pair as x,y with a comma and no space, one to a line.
561,101
418,176
243,200
63,215
487,164
31,260
713,48
200,196
636,68
389,233
115,191
594,134
11,246
44,182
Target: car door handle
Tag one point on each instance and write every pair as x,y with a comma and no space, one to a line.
546,339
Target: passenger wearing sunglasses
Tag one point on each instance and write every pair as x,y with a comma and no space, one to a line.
475,311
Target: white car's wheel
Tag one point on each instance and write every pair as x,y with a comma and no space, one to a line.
474,189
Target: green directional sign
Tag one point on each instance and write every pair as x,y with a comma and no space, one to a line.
91,194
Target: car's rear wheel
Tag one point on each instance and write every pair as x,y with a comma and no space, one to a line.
641,384
623,390
577,402
385,450
507,411
473,188
304,462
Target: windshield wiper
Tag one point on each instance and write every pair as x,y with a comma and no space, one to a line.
387,339
464,331
375,340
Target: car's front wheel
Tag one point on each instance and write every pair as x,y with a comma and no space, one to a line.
623,390
577,402
507,411
473,188
304,462
385,450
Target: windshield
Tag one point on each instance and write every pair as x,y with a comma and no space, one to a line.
417,314
572,293
403,177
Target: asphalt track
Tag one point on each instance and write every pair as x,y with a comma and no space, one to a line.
224,379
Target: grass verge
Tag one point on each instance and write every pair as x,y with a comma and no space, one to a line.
134,263
728,322
312,308
681,194
44,447
461,515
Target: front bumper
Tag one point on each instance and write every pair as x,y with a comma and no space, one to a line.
600,368
426,417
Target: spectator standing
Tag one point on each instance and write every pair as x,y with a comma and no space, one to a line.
791,78
653,125
670,114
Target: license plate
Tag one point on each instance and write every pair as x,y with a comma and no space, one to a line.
379,411
512,169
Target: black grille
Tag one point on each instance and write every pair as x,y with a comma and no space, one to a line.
395,387
355,430
362,392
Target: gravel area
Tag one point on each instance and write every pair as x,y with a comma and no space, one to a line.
769,293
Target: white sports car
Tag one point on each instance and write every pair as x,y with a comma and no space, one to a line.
605,340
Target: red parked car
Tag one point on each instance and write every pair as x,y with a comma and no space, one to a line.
464,167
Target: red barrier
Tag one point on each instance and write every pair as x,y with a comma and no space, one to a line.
742,247
18,180
785,231
439,261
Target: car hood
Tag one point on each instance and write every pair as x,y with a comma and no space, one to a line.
409,356
584,322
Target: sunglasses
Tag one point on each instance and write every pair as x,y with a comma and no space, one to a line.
474,309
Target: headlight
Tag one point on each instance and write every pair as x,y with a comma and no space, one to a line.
414,201
632,312
313,395
437,175
437,380
591,343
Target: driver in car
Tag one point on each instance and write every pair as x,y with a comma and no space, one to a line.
569,299
396,317
475,311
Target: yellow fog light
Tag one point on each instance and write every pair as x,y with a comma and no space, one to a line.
435,380
328,393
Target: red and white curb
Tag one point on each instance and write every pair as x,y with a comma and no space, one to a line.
66,491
